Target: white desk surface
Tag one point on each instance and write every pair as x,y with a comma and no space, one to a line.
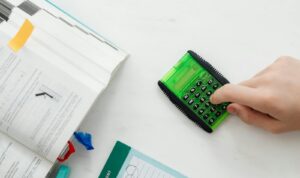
238,37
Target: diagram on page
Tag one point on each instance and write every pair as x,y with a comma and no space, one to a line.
36,103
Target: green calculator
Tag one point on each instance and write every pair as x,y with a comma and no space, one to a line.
189,85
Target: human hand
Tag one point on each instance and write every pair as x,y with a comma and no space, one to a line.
270,100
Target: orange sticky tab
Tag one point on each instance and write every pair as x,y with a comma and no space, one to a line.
21,37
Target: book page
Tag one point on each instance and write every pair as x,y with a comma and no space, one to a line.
62,43
18,161
40,106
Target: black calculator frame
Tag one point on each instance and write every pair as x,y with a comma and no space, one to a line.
180,105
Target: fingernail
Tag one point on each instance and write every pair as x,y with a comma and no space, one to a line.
231,110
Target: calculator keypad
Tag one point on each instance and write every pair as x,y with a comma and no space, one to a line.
197,97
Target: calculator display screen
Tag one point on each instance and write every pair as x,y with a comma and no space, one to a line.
182,74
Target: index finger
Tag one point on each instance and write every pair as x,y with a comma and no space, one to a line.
240,94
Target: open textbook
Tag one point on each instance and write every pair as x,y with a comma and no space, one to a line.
47,88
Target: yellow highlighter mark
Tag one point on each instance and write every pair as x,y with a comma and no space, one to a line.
17,42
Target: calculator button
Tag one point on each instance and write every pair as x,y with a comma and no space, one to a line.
207,104
202,100
199,83
213,109
208,93
201,111
196,106
193,90
191,102
205,116
203,88
197,95
224,107
185,97
215,86
211,121
210,82
218,114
